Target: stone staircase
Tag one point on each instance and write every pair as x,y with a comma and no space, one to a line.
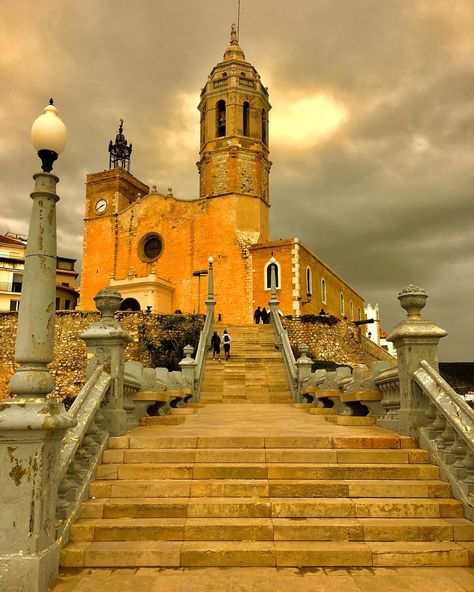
267,485
255,372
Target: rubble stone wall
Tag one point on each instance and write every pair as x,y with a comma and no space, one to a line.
340,342
69,364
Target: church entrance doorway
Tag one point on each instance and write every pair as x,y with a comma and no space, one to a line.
130,304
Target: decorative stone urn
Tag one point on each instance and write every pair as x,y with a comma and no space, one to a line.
107,302
303,350
413,300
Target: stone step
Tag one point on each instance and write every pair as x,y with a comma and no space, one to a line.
162,420
263,553
202,507
272,399
366,508
360,489
266,471
262,455
322,411
278,529
182,411
165,488
306,442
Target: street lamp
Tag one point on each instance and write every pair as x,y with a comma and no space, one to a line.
199,274
36,316
48,135
32,426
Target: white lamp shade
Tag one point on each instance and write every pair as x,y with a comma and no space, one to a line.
210,260
48,131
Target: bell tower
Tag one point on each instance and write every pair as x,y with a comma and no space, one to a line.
234,110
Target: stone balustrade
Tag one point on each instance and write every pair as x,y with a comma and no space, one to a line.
282,341
81,450
448,434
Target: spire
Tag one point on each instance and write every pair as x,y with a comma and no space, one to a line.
234,51
119,153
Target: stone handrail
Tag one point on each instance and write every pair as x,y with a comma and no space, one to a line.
448,434
283,343
202,348
81,449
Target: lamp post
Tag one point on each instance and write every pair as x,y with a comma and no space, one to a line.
210,281
199,274
31,425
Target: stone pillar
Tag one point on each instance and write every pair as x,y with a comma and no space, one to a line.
106,341
415,340
31,425
188,366
303,365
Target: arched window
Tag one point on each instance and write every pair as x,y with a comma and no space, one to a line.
309,281
343,307
268,275
323,291
359,318
246,120
264,127
351,310
220,119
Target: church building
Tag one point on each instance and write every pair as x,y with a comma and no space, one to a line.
148,245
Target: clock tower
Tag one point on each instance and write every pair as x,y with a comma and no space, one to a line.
113,190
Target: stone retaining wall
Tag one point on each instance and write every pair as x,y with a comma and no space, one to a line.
340,342
68,366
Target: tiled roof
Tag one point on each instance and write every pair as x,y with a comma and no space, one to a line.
10,241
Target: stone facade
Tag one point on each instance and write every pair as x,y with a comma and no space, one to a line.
297,296
70,356
340,342
229,221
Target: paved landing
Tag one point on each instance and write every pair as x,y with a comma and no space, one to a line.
263,579
248,419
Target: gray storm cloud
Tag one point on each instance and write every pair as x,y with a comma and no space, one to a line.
385,196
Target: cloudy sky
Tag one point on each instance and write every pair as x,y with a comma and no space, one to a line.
371,129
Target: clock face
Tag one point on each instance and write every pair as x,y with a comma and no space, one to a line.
101,206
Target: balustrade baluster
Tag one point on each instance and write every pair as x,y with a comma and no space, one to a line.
468,470
77,470
438,426
64,498
449,437
445,438
458,450
431,414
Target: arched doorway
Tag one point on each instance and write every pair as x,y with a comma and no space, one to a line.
130,304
